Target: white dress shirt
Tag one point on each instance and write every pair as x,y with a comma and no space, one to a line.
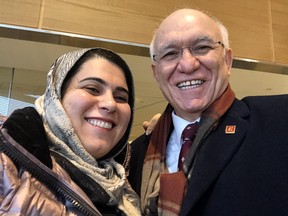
175,142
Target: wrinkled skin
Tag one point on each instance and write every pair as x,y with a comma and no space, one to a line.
181,29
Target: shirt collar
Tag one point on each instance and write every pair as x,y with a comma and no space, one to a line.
179,125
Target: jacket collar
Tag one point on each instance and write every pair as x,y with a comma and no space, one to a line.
215,153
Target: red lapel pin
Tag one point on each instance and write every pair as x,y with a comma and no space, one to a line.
230,129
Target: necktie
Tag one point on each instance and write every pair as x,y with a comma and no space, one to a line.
188,136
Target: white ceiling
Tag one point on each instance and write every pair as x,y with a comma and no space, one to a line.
36,56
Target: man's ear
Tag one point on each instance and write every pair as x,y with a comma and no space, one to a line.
155,74
154,71
228,59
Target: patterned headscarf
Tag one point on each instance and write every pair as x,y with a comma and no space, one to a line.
63,140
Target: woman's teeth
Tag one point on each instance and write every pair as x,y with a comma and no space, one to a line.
100,123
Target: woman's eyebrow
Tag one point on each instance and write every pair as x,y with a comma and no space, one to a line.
95,79
103,82
122,89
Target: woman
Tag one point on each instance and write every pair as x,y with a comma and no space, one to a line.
87,112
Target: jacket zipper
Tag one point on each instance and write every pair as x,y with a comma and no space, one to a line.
21,156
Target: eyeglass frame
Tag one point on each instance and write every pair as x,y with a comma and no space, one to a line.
180,51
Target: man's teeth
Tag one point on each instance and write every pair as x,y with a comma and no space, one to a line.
190,84
99,123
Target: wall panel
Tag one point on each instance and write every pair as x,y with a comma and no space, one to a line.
248,24
258,29
23,13
279,14
248,21
130,20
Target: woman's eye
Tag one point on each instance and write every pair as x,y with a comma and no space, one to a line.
121,98
92,90
202,49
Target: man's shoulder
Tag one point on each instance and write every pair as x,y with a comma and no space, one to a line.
266,97
266,100
269,106
141,142
138,152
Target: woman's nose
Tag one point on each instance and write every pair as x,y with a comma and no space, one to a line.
107,102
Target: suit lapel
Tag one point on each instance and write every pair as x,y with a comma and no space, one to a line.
214,154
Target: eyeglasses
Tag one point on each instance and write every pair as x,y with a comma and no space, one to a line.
173,55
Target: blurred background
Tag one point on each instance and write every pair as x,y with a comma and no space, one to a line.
34,33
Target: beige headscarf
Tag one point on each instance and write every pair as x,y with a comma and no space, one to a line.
108,173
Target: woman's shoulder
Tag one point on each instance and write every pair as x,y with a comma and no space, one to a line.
18,184
17,187
25,126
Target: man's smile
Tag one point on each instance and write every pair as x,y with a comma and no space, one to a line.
190,84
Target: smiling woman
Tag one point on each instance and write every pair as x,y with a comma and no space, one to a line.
98,94
81,124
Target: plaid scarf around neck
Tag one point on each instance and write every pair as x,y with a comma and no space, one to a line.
162,193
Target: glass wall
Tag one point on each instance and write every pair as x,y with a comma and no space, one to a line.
32,53
19,88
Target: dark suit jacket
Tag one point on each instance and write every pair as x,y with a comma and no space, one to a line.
240,174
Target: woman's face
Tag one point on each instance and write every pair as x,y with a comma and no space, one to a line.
96,102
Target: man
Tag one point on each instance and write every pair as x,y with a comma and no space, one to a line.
238,162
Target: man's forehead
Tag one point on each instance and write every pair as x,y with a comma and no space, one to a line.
191,25
185,15
184,36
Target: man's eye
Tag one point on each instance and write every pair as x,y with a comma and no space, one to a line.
202,49
170,55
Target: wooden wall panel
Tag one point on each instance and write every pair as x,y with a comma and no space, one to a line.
248,25
22,13
256,31
247,21
130,20
279,14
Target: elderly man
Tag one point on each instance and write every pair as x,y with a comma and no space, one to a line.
238,161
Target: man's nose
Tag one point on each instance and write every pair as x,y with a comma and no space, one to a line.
188,61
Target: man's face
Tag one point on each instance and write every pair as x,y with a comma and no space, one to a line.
191,82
